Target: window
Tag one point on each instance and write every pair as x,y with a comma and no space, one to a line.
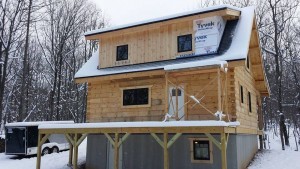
122,52
249,102
242,94
138,96
201,150
174,92
248,62
184,43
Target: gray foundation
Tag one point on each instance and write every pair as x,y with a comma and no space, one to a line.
141,151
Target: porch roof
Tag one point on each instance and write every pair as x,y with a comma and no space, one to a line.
206,123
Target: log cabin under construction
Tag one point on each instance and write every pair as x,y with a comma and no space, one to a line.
182,91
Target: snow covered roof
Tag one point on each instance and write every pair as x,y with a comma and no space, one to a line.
207,123
234,46
36,123
160,19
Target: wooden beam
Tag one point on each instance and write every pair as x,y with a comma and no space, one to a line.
109,138
166,154
123,139
219,92
166,93
81,139
69,138
75,157
216,142
156,25
176,101
149,73
192,129
161,143
70,154
173,139
193,71
116,151
223,150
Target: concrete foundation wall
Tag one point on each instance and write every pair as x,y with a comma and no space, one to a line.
141,151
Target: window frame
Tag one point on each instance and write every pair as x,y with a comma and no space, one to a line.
191,46
249,102
210,161
242,94
119,46
132,88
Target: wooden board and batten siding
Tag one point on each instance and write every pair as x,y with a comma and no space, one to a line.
152,42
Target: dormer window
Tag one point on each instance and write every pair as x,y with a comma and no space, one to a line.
122,52
184,43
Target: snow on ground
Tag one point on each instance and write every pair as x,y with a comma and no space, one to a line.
51,161
2,136
275,157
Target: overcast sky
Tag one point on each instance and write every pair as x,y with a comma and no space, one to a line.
127,11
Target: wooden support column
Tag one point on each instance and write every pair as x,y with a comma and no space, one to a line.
219,91
176,108
75,158
166,94
116,151
71,147
166,154
41,140
38,160
223,150
70,155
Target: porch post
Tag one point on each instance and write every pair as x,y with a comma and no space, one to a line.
166,94
219,91
166,154
75,151
70,154
38,160
223,150
176,113
116,151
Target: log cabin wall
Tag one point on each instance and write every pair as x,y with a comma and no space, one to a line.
152,42
244,77
105,99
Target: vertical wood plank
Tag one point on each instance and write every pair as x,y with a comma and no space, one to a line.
75,159
116,151
38,160
166,154
219,92
223,150
70,154
166,93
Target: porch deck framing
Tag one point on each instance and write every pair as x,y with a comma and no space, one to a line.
76,135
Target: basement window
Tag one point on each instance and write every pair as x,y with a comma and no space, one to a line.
184,43
249,102
136,97
122,52
201,150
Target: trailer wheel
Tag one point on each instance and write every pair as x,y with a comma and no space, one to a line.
46,150
55,150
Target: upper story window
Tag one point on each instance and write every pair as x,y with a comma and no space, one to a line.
122,52
184,43
248,62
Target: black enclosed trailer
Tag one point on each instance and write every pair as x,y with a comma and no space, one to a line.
21,138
